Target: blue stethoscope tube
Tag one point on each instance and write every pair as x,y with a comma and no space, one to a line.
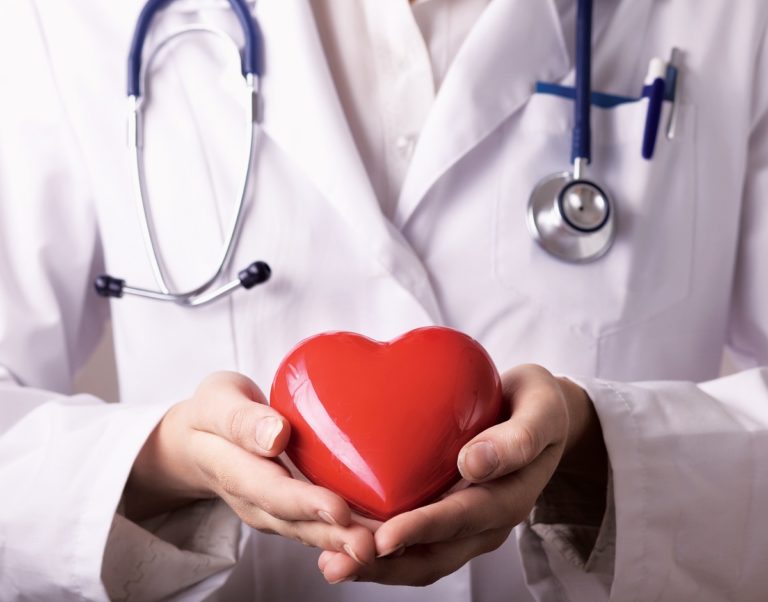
582,128
252,63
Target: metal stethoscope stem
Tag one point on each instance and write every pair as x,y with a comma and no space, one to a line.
258,271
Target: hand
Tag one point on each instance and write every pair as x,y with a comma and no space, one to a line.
224,441
552,424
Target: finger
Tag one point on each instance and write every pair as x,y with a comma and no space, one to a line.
354,541
231,406
322,560
539,419
238,476
337,567
462,514
503,502
418,566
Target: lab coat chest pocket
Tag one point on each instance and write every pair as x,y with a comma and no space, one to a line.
648,269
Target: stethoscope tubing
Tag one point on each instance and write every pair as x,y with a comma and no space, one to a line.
141,193
581,145
251,62
138,74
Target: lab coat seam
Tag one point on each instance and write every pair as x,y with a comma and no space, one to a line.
760,49
642,575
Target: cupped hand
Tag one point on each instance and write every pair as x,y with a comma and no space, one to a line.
507,466
224,441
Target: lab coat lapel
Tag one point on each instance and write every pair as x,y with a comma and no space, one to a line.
304,116
514,44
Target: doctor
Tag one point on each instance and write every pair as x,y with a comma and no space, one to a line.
394,163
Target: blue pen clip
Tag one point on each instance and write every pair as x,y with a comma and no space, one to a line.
655,90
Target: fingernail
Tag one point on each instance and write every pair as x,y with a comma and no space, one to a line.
342,580
479,460
326,517
394,552
351,553
267,431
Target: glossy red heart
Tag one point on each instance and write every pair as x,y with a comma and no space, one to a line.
381,424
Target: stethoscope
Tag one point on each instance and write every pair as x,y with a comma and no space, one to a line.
258,271
569,215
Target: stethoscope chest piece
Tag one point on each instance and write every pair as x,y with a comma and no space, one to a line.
571,218
569,215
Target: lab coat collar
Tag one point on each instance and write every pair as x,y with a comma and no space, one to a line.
492,76
304,116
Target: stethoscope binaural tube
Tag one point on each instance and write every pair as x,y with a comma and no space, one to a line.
251,68
569,215
251,56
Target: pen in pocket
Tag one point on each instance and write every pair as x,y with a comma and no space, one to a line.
654,89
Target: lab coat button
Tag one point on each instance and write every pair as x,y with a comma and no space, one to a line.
405,144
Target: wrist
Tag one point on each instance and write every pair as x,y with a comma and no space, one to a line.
161,479
584,451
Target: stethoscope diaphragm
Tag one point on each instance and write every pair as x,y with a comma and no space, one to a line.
572,219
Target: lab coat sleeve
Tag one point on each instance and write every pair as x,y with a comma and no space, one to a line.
64,459
686,516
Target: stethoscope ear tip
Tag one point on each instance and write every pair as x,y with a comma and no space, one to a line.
109,286
256,273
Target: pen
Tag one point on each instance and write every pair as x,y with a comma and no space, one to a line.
654,83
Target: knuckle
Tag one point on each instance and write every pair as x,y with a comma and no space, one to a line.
525,443
294,531
214,380
256,519
257,497
462,526
237,423
535,371
266,505
226,380
228,485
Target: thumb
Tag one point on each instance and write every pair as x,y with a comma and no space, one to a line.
500,450
231,406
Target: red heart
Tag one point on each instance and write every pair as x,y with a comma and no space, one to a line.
381,424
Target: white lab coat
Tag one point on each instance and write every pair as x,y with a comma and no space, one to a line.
685,278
